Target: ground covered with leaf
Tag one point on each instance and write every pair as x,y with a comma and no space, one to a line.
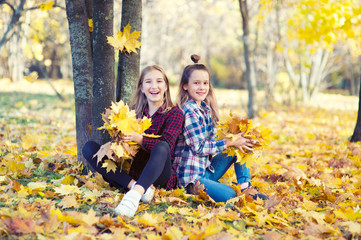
311,172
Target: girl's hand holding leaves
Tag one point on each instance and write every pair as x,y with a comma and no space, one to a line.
133,138
243,138
242,143
126,132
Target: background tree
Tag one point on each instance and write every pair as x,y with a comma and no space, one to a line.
315,37
129,64
103,66
248,58
80,42
16,34
356,136
93,63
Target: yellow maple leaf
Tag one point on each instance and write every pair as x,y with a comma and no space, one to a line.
123,224
67,189
72,151
90,218
31,140
172,210
109,165
13,163
47,6
117,149
127,126
32,77
173,233
36,186
90,23
145,124
69,179
105,150
69,202
149,219
91,196
51,225
125,41
353,227
62,217
151,135
3,179
117,41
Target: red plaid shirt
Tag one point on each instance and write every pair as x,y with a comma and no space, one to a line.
169,126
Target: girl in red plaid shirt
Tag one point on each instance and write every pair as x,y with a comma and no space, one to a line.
152,165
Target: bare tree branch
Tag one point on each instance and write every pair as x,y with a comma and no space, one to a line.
16,16
14,19
11,6
37,7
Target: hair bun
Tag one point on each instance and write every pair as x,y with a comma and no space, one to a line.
195,58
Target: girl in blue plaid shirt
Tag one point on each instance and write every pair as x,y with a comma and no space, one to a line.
198,156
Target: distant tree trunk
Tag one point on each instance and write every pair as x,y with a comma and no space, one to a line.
16,56
103,66
271,75
128,67
251,84
80,43
356,137
318,66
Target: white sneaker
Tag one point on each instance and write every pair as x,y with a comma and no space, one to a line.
129,204
148,195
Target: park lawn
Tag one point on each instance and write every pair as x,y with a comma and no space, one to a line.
310,171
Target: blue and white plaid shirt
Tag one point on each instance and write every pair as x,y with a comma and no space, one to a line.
196,143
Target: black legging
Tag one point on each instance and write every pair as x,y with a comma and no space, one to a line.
157,171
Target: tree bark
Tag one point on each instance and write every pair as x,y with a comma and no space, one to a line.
251,84
80,44
103,66
15,43
128,67
356,136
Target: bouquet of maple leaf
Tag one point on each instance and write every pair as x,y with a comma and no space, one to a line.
120,121
233,124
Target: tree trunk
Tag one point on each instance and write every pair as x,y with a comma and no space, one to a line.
16,57
251,84
271,76
103,66
15,44
356,137
80,44
128,67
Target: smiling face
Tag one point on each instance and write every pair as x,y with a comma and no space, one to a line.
198,85
154,87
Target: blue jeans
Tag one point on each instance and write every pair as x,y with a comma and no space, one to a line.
218,191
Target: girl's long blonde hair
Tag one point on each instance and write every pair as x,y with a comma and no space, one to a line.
140,101
183,95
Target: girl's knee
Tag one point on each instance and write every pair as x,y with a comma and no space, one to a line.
90,148
162,147
224,196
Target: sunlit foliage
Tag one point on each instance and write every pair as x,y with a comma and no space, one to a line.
310,171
